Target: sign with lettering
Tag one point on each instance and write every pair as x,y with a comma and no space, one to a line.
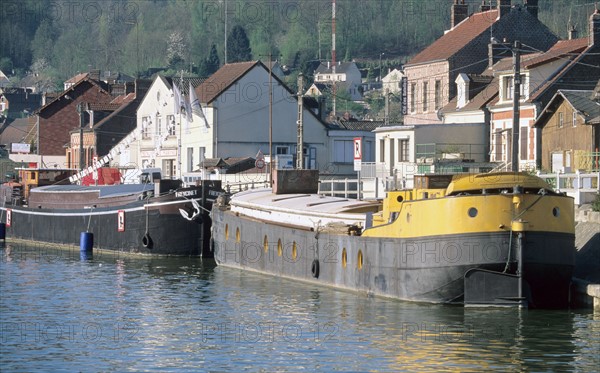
357,153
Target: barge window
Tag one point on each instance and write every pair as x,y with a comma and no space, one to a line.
266,244
279,248
237,235
359,262
226,231
294,251
344,258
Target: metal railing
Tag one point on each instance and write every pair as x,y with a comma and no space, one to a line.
583,187
235,187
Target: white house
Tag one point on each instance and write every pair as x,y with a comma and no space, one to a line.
238,105
391,82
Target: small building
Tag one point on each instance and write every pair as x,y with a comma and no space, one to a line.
570,131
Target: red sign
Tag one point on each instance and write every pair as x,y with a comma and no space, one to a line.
357,148
8,217
121,221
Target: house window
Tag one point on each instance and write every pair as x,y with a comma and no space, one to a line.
171,124
561,120
158,128
190,159
498,145
438,94
282,150
413,97
382,150
509,87
425,84
574,119
169,167
343,151
403,150
523,140
146,123
202,154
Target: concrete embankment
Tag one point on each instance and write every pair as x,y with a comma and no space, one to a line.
587,260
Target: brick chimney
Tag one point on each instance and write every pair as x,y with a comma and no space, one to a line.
594,34
572,32
532,7
503,7
460,12
497,51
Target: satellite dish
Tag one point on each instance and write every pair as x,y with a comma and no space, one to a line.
440,114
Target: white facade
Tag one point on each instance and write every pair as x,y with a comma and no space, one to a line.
391,82
239,121
403,148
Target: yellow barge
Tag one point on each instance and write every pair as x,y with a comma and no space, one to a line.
488,239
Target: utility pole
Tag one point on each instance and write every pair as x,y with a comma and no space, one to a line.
81,108
300,140
271,156
516,98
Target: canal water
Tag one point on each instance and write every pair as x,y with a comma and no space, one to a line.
118,314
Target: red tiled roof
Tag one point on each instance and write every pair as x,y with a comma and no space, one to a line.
77,78
455,39
103,106
561,48
222,79
122,99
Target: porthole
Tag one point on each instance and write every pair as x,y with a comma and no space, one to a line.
266,244
359,261
473,212
226,231
556,212
237,235
399,198
344,258
279,248
294,251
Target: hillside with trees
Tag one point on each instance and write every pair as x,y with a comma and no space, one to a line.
51,42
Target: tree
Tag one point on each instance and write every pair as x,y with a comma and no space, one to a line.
175,51
40,74
238,45
212,62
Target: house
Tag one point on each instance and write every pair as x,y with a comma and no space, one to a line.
236,103
341,145
57,118
320,89
108,124
345,75
4,81
20,132
568,65
570,131
154,139
465,48
18,102
391,83
406,150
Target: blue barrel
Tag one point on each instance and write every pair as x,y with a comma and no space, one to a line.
86,241
2,231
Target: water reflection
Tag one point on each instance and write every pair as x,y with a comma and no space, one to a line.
119,313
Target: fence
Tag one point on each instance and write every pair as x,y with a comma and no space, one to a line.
583,187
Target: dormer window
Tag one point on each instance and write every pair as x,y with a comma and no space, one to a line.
509,87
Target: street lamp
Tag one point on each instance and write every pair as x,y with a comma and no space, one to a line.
380,54
137,47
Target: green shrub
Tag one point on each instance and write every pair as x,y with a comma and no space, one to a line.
596,203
